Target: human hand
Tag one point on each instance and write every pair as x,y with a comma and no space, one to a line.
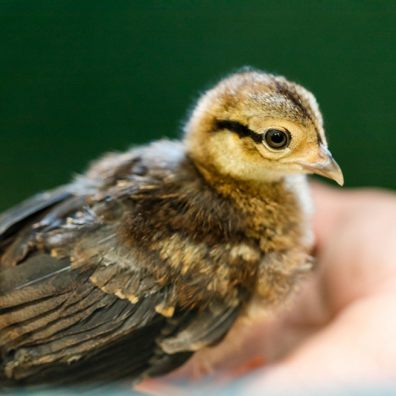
341,328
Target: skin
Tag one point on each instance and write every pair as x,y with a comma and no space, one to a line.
340,328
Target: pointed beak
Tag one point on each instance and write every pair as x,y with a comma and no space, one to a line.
325,166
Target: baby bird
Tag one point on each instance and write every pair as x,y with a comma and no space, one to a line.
153,254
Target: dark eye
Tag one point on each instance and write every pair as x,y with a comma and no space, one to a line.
277,139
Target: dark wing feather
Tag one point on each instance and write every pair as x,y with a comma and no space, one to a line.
71,332
63,323
206,328
61,329
97,337
11,219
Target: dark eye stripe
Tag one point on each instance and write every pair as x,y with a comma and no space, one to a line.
242,130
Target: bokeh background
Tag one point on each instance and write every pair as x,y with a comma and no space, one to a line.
78,78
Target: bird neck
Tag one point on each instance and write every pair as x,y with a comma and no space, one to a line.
266,209
234,188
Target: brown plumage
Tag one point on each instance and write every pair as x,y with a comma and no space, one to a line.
154,253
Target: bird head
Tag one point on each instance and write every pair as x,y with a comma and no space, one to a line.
257,126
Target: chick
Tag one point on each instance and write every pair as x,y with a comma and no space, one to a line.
153,254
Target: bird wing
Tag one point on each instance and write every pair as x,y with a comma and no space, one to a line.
76,305
30,208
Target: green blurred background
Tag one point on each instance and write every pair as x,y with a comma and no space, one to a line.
78,78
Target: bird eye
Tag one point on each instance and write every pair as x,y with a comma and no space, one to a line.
277,139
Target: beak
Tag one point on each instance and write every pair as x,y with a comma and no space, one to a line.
325,166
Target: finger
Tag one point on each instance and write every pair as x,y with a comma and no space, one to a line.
158,387
358,346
